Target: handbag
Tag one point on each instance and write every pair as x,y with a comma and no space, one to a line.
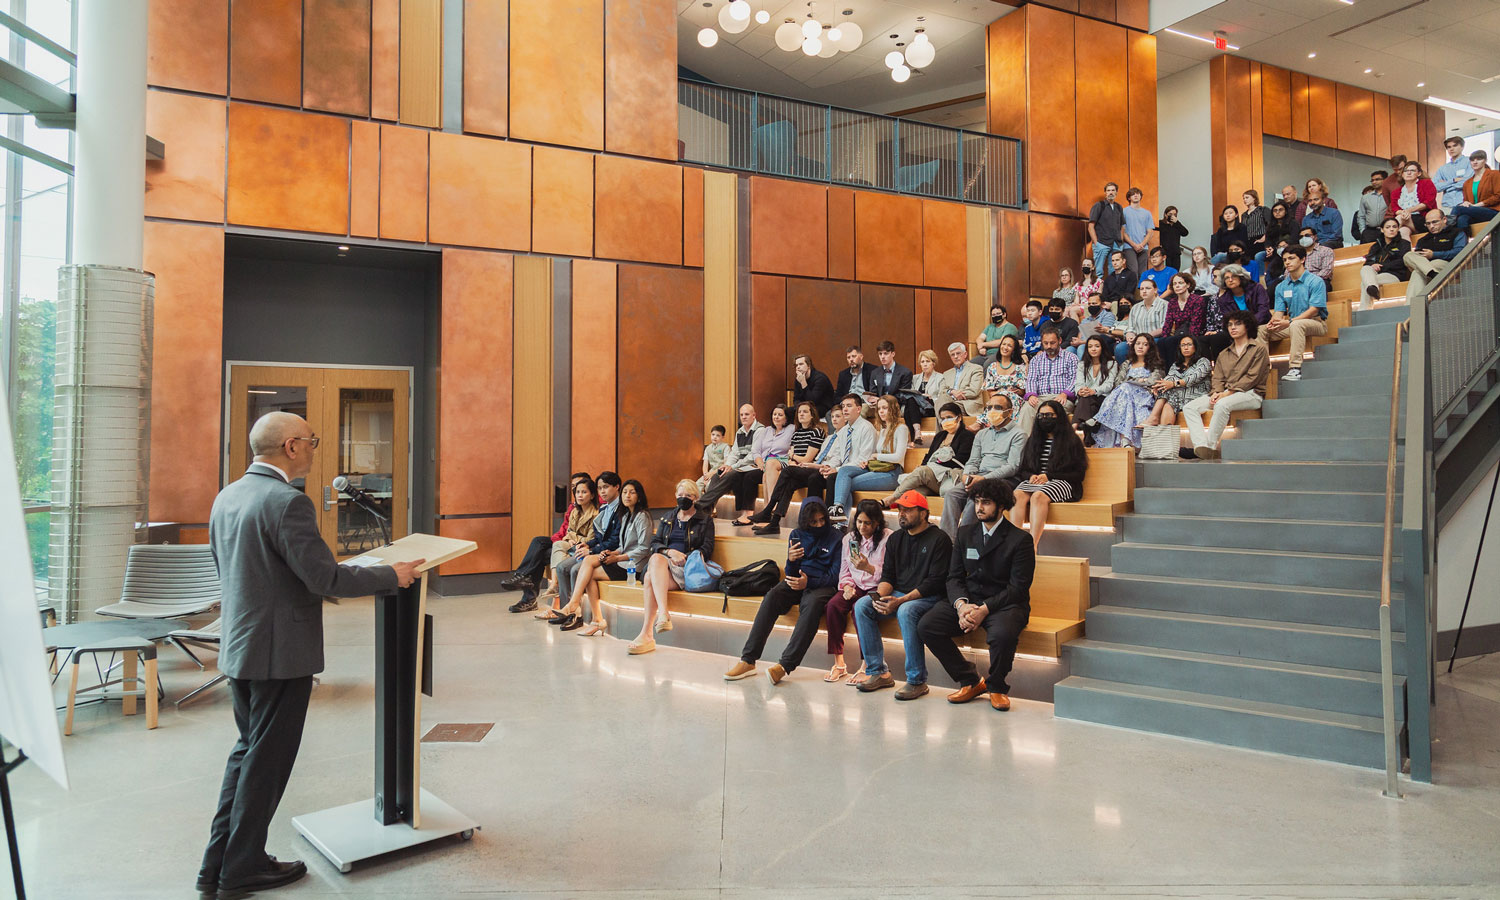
1160,441
700,575
880,465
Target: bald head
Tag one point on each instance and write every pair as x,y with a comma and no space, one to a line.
272,441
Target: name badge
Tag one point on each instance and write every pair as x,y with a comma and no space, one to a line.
1287,293
973,553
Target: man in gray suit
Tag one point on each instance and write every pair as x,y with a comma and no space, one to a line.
274,571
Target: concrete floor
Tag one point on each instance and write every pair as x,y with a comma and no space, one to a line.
613,776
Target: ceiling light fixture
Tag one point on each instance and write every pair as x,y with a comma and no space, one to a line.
1312,56
811,29
1463,107
893,59
708,37
788,36
900,73
762,17
1368,71
740,9
1421,84
1197,37
812,46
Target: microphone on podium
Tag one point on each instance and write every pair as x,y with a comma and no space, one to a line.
364,501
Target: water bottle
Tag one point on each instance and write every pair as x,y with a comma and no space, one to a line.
630,572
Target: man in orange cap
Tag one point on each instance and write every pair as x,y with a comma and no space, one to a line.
911,582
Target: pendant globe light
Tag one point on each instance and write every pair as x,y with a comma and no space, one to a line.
788,36
900,73
920,53
729,23
708,37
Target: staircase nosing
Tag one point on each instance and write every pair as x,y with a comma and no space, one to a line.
1351,721
1246,662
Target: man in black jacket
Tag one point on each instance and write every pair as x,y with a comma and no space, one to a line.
859,378
890,376
811,386
989,587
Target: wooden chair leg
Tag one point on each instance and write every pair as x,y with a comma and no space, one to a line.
72,696
151,693
128,682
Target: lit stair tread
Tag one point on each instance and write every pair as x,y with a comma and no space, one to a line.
1229,704
1237,551
1240,661
1236,621
1217,585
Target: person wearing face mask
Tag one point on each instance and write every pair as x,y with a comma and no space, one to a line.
999,327
1097,322
1324,219
1053,463
1049,376
996,454
1090,285
677,536
943,465
1319,259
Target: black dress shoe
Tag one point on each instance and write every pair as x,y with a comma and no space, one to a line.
207,888
517,583
574,622
279,874
557,618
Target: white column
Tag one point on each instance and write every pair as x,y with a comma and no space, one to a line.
109,187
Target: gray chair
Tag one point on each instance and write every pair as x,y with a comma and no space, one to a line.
166,581
206,637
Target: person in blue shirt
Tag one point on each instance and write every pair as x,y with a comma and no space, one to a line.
1138,225
1326,222
1159,271
1450,176
1434,252
1299,310
1031,339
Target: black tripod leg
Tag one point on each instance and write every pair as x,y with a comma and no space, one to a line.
10,822
1478,551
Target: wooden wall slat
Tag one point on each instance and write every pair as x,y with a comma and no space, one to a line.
720,287
1219,136
1322,112
422,63
1404,127
1356,119
1301,128
1437,124
595,338
1381,113
1237,155
531,409
1276,100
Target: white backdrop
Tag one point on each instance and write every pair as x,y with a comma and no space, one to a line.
28,718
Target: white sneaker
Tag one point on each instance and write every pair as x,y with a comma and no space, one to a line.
1292,375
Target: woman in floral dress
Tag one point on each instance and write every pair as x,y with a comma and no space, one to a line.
1129,405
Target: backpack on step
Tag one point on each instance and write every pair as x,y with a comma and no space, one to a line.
753,580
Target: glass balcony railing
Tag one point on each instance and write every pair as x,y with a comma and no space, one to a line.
737,129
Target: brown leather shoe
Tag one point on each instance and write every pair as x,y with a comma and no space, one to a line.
967,693
1001,702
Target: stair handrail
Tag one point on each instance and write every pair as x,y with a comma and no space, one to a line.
1387,661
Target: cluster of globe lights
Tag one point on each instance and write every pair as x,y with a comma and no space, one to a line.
814,40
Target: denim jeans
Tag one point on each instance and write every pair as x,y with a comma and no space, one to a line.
1101,255
853,478
1465,215
908,614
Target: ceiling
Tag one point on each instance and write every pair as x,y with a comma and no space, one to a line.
1451,46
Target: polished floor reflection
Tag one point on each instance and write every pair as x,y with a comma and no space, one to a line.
614,776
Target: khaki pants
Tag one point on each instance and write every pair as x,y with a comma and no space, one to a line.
1220,420
1423,270
1027,413
1367,277
1299,330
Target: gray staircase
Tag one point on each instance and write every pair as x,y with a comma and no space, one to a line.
1242,601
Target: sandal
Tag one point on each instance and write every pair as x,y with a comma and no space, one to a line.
742,523
857,679
836,674
592,629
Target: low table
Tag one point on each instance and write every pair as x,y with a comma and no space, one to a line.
88,634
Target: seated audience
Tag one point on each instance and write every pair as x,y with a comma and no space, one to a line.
890,377
1300,309
1412,199
1096,322
1049,376
1314,187
964,383
811,576
1095,379
534,562
1325,220
1229,229
578,530
1146,317
857,446
926,391
996,453
773,447
682,531
989,587
1052,466
1393,181
862,556
1119,284
1319,259
1172,232
1090,286
609,564
1238,382
739,473
804,468
1256,219
1186,381
606,537
1067,328
912,577
999,327
1281,234
1186,314
1238,291
1201,270
1137,230
858,378
1372,210
1129,404
812,386
1238,256
1031,336
1066,290
1384,264
1480,192
1449,178
714,453
882,468
1288,195
1007,374
943,466
1435,251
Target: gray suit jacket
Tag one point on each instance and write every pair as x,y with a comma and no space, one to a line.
274,571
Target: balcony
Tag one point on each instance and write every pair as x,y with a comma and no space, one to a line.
730,128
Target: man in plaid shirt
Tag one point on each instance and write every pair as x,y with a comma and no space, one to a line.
1050,375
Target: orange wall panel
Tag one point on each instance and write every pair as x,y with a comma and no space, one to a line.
189,183
265,51
491,533
186,369
474,394
1141,57
1301,128
1404,127
1276,101
1356,114
788,227
1013,257
562,202
1051,139
840,233
1218,129
385,59
887,238
1103,133
637,210
288,169
479,192
950,322
660,355
486,66
364,180
557,72
640,78
888,314
692,216
403,183
1237,156
1005,76
1103,10
1322,112
922,326
1135,14
770,363
336,56
1381,111
1257,128
1437,123
595,337
945,244
825,323
187,45
1054,243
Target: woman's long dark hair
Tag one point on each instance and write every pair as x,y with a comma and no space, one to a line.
1225,226
1106,357
593,487
1152,362
1067,447
873,510
641,503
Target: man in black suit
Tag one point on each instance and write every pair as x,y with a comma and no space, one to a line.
989,587
889,376
274,571
811,386
859,378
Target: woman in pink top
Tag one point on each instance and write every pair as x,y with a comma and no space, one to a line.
859,575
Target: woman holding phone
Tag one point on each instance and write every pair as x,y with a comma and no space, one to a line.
859,575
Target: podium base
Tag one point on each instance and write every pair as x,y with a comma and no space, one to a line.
349,834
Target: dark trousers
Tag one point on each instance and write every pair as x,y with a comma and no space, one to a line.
915,408
778,601
838,611
269,715
1216,343
746,486
791,480
939,626
534,563
1086,408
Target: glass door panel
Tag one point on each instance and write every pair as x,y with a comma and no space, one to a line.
367,457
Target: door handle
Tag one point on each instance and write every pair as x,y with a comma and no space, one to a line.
327,497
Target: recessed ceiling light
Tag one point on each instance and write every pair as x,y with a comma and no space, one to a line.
344,247
1368,71
1421,84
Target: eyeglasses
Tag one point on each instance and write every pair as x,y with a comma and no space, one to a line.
996,408
314,440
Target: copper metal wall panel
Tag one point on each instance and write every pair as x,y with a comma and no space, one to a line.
557,72
640,78
1437,123
403,183
422,62
265,51
364,180
1301,127
887,238
637,210
1051,139
889,314
385,59
562,202
822,321
1005,75
187,368
692,216
1055,243
660,356
1237,156
1276,101
1133,14
492,534
189,183
1404,127
950,322
788,227
921,338
770,363
487,66
479,192
1013,259
1381,112
840,233
475,384
1356,114
1322,112
1140,51
1257,128
1103,121
288,169
945,252
1104,10
336,56
595,338
187,45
